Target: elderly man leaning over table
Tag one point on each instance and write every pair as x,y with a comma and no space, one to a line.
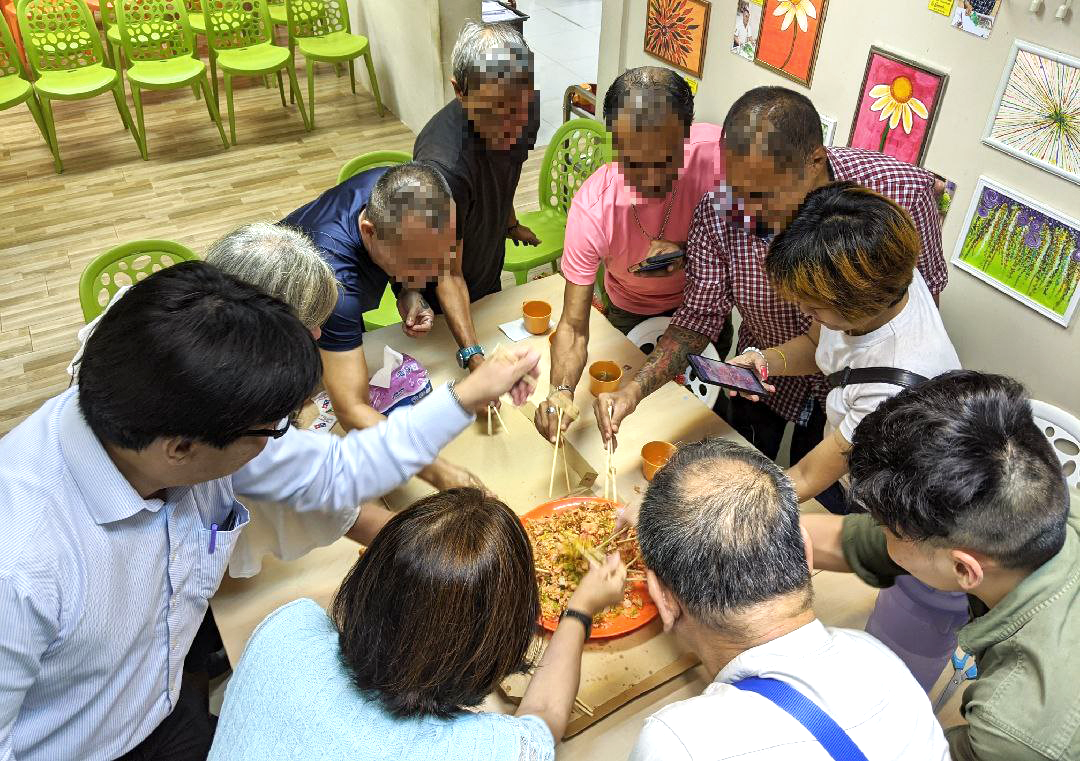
636,207
117,499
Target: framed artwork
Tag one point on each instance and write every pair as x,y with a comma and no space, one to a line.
828,129
676,32
789,37
945,191
975,16
1022,248
747,28
897,107
1036,116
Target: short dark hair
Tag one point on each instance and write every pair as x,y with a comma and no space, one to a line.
719,526
783,121
195,353
849,247
669,87
441,607
959,461
406,190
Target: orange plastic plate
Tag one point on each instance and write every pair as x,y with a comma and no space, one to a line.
613,627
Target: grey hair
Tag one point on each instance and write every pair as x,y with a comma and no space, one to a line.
284,263
408,189
719,526
486,52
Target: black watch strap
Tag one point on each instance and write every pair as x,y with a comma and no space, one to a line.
584,618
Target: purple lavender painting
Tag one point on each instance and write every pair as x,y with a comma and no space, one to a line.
1023,249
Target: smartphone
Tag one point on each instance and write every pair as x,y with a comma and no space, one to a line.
727,375
658,262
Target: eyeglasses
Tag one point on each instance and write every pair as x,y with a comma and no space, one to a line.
274,433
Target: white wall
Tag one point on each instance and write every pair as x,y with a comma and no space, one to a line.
990,330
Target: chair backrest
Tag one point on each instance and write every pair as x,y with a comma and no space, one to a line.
108,13
577,149
59,35
1063,431
372,160
316,18
10,60
193,6
236,23
154,30
126,264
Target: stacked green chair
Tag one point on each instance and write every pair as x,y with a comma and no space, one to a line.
239,35
64,49
577,149
320,30
196,19
112,33
126,264
159,46
386,313
14,87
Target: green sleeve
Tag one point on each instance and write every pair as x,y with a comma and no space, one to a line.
985,742
863,543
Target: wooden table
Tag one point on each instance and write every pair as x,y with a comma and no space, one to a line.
613,674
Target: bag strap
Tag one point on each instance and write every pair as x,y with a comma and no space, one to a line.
827,732
891,375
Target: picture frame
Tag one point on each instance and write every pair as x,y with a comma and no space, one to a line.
1022,248
897,107
976,17
1036,112
828,129
676,32
790,37
747,29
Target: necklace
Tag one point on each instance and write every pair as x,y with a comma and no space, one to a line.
667,215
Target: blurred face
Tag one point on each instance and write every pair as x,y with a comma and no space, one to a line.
498,110
933,566
416,255
767,192
650,160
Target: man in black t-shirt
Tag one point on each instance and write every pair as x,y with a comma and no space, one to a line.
478,142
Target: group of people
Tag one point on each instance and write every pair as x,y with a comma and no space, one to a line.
120,503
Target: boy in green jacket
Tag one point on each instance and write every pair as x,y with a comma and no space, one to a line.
965,493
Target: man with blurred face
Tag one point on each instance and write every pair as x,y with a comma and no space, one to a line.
478,142
636,207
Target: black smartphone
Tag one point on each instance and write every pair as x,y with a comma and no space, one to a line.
658,262
727,375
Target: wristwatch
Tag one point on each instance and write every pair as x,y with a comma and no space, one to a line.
585,619
464,355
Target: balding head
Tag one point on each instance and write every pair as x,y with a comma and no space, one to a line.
719,526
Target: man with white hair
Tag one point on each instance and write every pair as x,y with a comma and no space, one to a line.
478,142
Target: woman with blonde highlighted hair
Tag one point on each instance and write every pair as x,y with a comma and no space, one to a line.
848,260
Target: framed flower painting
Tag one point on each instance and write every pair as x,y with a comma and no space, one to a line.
789,37
897,107
676,32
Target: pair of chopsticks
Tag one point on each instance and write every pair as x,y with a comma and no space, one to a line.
611,489
490,409
559,438
579,704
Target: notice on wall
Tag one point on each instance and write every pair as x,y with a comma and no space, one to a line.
944,7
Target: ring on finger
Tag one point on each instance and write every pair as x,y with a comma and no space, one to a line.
551,409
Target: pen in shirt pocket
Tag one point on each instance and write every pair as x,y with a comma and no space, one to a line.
230,523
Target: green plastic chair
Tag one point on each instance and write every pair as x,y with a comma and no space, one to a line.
112,33
160,47
386,313
577,149
195,17
64,49
14,86
239,35
320,30
126,264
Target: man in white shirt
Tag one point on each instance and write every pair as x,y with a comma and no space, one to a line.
117,499
729,571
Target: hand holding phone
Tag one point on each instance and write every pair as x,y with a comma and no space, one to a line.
665,262
727,375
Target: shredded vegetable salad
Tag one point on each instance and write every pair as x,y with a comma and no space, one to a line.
560,543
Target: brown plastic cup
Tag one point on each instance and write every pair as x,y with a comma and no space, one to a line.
537,316
654,456
604,376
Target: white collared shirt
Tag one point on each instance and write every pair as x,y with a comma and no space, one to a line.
857,680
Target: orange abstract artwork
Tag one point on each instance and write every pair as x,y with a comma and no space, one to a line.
790,32
676,31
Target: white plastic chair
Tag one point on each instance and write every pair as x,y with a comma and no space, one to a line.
645,336
1063,432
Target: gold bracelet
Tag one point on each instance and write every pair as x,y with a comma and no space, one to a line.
782,356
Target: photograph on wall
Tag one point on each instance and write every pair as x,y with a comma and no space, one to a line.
676,32
1036,115
790,36
975,16
747,26
945,192
1022,248
828,129
898,106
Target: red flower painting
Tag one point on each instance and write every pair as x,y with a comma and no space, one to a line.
675,32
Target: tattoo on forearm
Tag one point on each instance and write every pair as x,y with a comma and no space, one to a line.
669,358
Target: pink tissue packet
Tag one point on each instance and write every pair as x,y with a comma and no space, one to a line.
401,381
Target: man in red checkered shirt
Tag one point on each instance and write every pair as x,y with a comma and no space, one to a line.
775,157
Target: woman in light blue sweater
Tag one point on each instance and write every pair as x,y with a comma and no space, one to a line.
433,616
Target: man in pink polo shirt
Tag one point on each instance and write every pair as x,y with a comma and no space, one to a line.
629,210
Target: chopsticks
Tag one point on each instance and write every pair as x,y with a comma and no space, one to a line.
611,488
559,439
579,704
493,409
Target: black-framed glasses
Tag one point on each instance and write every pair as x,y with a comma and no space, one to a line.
274,433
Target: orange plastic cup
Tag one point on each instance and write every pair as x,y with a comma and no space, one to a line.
604,376
537,316
654,456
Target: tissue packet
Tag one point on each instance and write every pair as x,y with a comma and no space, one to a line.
408,384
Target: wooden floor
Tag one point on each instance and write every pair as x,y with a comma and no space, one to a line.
191,190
